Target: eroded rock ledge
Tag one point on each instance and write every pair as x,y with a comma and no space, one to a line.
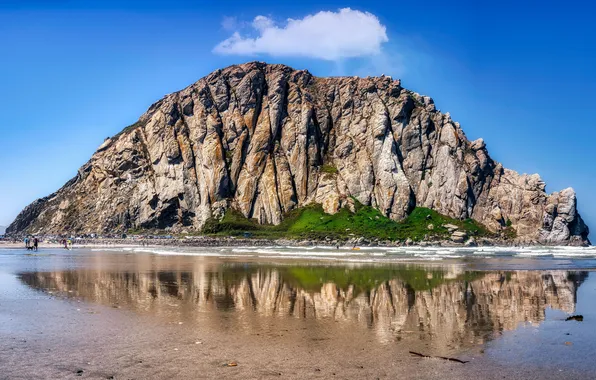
265,139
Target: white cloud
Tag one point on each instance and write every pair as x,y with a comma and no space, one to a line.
262,23
325,35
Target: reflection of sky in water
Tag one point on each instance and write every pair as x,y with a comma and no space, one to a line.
449,307
556,342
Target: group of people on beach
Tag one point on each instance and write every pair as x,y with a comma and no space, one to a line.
31,243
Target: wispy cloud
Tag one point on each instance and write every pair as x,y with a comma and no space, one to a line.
229,23
325,35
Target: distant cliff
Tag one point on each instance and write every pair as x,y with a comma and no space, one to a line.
265,139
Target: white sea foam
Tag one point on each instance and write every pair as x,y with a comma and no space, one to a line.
367,254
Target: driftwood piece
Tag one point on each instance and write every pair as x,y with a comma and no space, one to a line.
438,357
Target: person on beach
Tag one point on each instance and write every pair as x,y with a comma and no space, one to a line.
69,244
35,243
27,242
64,244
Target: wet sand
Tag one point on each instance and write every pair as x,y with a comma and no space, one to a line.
94,314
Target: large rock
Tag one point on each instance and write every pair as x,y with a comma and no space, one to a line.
459,236
265,139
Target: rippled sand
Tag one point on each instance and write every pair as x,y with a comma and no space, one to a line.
145,315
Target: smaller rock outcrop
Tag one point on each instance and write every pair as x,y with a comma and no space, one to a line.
458,236
560,220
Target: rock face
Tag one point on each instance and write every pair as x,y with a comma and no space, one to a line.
258,138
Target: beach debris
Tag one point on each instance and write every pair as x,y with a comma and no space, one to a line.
438,357
231,364
579,318
198,342
80,372
568,343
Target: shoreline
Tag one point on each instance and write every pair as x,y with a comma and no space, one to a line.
231,241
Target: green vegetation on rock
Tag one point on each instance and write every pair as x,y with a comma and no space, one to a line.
128,129
329,169
509,233
311,222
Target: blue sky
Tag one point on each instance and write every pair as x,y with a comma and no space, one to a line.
519,74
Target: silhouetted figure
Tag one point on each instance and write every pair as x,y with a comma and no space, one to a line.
35,243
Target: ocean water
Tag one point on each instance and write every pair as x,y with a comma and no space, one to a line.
504,307
581,257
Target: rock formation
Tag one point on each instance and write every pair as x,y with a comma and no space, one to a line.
257,138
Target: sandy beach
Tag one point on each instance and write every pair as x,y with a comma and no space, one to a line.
116,314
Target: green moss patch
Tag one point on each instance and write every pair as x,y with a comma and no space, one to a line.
311,222
329,169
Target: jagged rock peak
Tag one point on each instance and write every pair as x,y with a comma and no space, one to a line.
256,137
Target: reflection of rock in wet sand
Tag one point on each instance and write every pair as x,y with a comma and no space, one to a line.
451,312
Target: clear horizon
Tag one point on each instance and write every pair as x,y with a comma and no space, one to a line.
77,75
